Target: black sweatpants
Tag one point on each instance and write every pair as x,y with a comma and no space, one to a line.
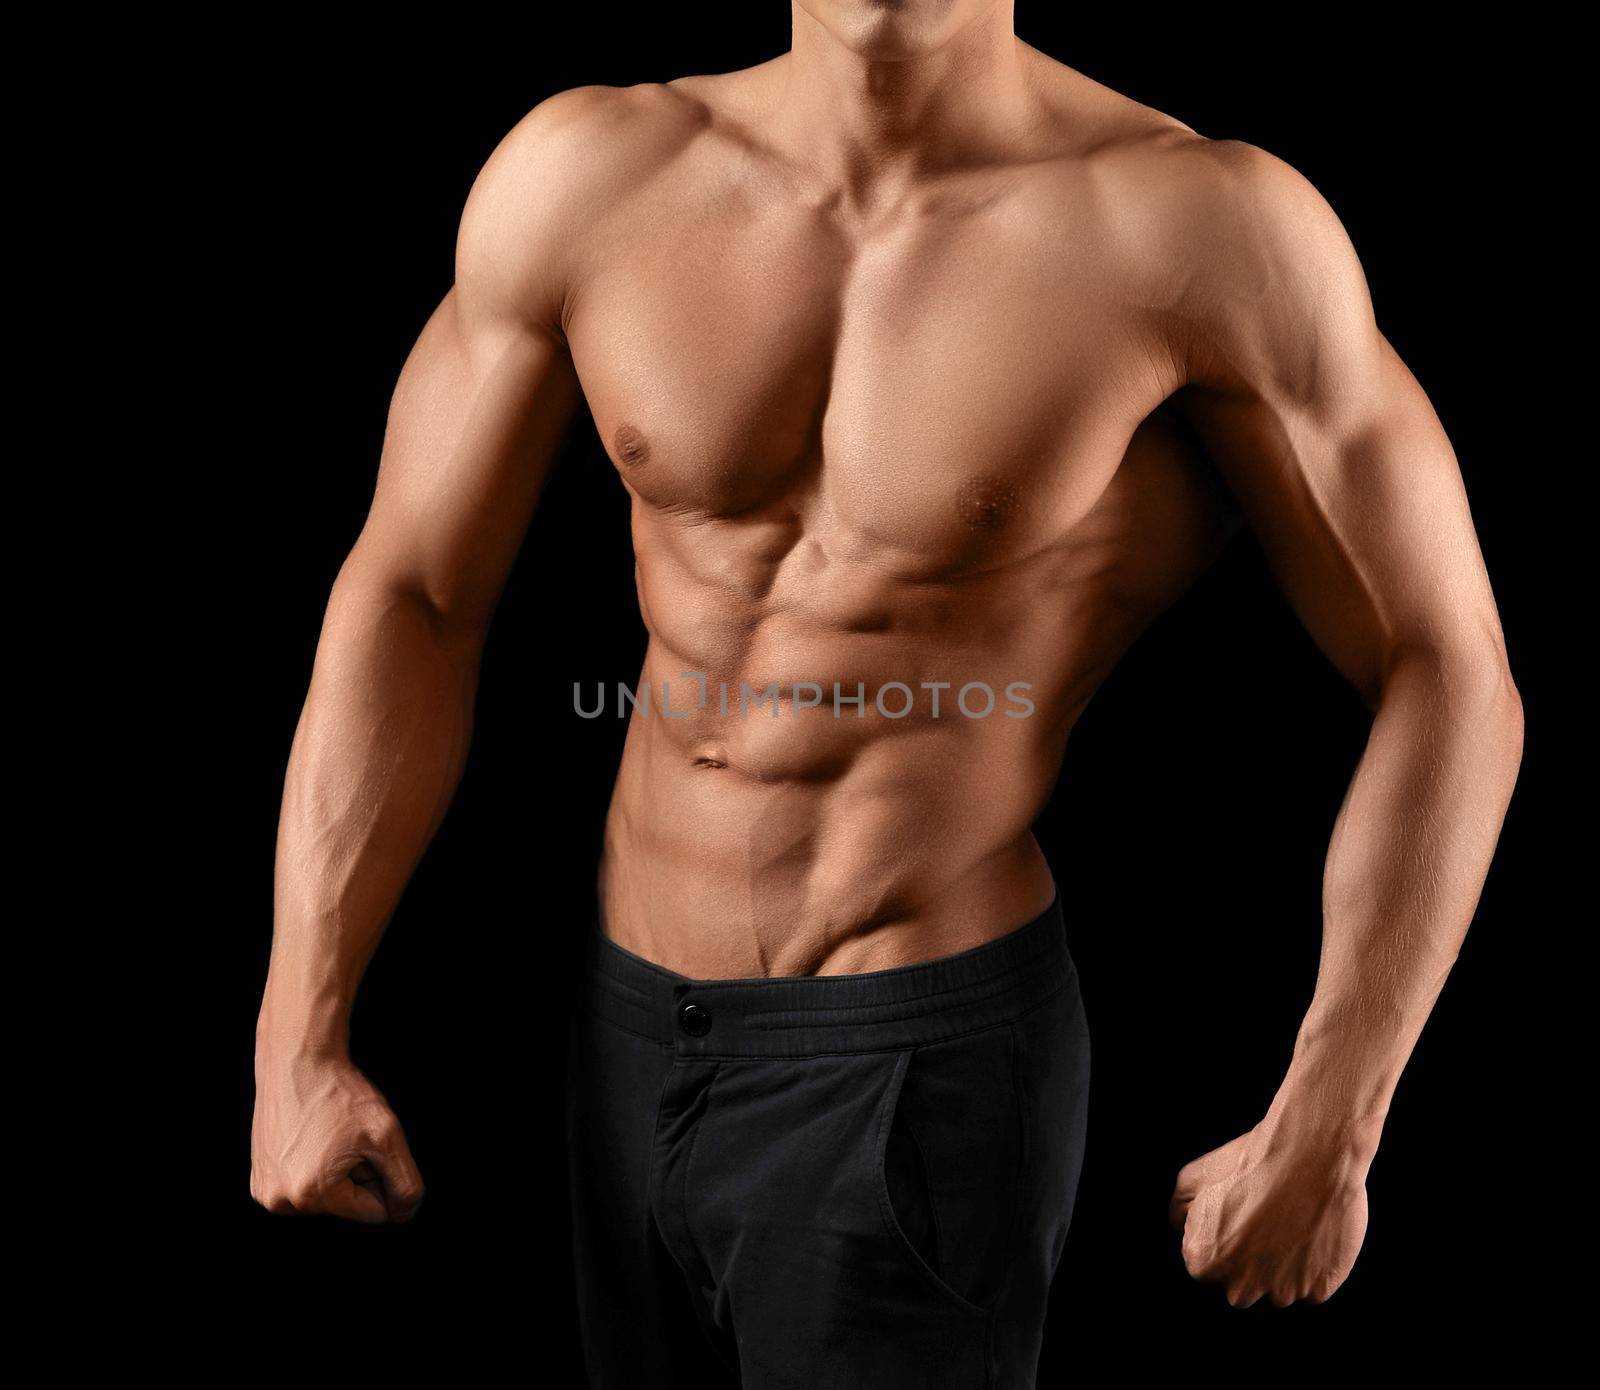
846,1181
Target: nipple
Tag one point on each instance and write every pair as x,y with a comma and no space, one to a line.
632,447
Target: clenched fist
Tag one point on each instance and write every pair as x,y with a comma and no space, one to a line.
325,1140
1267,1217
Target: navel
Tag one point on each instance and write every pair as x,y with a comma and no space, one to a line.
986,503
632,447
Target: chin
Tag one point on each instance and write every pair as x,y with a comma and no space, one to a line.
890,30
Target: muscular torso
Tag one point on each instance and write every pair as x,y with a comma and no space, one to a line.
903,447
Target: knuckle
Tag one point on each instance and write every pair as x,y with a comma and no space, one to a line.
1325,1288
1198,1256
268,1192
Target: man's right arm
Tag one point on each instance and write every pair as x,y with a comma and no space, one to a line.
474,424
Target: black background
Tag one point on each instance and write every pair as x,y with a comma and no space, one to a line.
1191,819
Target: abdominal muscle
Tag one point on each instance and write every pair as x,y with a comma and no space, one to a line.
752,837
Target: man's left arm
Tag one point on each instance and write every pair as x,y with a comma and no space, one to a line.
1345,475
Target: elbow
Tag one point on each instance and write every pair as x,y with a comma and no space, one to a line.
386,605
1473,681
1495,702
1508,702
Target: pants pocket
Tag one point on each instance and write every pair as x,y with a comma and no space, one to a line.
905,1177
947,1167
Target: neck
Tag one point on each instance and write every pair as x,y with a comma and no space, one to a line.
875,122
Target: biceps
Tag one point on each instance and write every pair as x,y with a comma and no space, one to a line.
1365,523
473,429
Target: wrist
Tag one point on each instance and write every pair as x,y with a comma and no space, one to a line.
1319,1122
1335,1095
290,1029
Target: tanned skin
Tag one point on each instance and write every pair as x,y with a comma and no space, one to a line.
901,344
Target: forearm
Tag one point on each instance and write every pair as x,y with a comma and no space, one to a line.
1409,854
376,759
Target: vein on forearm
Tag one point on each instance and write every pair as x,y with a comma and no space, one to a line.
1412,843
376,759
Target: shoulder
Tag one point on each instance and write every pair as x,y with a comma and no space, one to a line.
1236,262
1250,208
1247,259
570,163
1172,196
1172,187
588,143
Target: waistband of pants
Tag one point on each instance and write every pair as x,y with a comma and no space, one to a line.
806,1015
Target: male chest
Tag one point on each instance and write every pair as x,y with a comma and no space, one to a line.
956,383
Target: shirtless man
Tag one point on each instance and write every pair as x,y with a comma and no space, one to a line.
915,351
